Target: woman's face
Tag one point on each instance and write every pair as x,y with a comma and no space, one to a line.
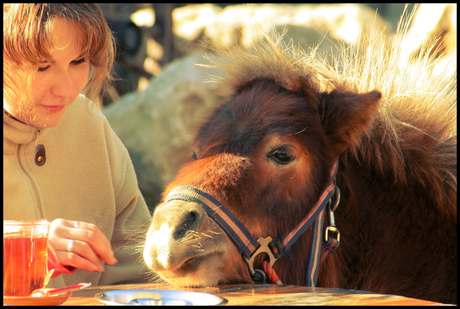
58,81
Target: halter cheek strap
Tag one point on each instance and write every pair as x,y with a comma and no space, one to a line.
249,247
245,242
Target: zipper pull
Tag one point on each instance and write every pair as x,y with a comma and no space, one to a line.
40,155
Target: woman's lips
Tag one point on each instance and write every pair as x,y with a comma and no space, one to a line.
53,108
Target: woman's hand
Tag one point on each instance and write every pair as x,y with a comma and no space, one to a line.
80,244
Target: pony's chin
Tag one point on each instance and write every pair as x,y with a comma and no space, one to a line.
198,278
200,271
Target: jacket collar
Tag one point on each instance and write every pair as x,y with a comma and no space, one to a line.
16,133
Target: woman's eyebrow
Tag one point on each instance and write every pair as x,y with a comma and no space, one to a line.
83,54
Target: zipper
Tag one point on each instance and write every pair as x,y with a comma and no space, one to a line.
40,155
34,187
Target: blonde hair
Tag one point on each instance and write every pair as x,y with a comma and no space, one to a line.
27,33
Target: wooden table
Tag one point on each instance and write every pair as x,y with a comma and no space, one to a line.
247,294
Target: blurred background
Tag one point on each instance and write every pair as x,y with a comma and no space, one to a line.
160,97
147,34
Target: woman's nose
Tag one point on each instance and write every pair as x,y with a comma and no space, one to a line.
64,85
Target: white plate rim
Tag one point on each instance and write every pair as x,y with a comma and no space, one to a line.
102,296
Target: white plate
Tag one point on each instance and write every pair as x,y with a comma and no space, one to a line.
159,297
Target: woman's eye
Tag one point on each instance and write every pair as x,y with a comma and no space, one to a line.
80,61
43,69
75,62
281,155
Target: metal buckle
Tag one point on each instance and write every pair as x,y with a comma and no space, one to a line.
332,207
264,248
334,230
259,277
277,248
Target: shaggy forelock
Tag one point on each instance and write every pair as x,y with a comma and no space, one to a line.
418,98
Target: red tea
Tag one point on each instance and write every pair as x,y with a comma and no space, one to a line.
24,264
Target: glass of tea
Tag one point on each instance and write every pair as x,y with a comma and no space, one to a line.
24,256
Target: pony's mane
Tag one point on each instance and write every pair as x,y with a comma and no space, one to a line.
417,112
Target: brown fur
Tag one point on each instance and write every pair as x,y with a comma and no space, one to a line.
393,130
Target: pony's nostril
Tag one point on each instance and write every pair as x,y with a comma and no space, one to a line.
189,222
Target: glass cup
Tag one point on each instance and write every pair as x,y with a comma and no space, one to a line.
25,261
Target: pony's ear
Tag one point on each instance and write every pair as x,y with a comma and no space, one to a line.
345,116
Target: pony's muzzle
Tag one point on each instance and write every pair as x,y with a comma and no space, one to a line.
180,216
189,221
183,241
174,229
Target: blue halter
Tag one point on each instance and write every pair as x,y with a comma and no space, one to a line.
249,247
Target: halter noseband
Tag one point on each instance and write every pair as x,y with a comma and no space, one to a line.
249,247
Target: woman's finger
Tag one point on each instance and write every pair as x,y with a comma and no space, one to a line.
75,260
82,249
90,233
91,227
99,243
87,241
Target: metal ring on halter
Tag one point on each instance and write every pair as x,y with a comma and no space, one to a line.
76,224
70,245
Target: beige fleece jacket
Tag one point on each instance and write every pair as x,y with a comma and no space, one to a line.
88,176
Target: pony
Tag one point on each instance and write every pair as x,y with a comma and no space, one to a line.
295,122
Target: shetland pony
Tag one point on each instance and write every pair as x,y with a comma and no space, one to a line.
267,154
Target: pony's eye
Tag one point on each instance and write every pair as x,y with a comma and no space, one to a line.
281,155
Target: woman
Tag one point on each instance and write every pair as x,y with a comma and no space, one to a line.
62,161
